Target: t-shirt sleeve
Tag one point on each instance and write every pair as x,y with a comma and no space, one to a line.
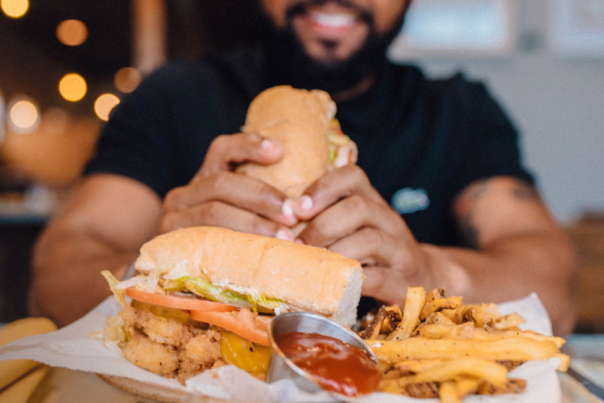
136,141
493,141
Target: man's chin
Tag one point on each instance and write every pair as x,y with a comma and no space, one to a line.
328,62
290,62
329,57
327,73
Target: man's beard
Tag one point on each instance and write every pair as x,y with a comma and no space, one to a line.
288,63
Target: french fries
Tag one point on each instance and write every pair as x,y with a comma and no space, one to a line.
419,347
443,348
414,304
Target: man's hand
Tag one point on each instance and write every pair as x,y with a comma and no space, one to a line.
216,196
348,216
514,245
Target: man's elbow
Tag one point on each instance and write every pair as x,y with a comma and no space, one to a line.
568,270
44,295
39,300
34,305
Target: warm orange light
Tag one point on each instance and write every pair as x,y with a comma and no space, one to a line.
127,79
72,87
72,32
54,121
2,130
14,8
104,104
23,115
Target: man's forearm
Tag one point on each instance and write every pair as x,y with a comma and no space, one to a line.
66,274
511,268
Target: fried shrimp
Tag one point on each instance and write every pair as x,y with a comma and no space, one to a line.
167,331
157,358
169,347
160,330
200,353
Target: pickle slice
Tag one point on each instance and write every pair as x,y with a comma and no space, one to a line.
248,356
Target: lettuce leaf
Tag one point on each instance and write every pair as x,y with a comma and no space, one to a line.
202,287
113,282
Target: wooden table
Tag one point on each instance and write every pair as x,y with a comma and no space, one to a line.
63,385
66,386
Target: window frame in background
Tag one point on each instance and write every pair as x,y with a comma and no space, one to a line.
572,34
405,47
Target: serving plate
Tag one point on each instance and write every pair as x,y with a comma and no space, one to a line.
150,393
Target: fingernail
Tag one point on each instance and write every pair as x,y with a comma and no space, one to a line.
267,144
305,203
285,234
298,240
287,209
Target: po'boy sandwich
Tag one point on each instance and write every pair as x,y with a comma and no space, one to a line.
205,295
304,123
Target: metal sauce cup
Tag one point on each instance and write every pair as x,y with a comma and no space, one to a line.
281,367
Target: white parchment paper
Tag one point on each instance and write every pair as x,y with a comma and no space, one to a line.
74,347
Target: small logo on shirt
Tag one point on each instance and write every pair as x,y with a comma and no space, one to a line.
408,200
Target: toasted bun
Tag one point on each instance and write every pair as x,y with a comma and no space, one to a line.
299,121
306,278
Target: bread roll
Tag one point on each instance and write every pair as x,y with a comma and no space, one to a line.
305,278
299,120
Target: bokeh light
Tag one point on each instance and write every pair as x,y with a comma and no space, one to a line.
72,32
14,8
72,87
23,115
127,79
2,123
104,104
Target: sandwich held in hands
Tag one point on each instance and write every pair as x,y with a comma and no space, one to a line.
303,123
205,296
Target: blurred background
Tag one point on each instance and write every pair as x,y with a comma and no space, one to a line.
64,64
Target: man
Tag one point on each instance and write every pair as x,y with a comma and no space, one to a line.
442,153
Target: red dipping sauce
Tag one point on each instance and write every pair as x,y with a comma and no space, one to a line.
337,366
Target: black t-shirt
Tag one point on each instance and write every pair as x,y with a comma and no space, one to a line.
420,141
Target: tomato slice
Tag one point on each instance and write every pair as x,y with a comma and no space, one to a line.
179,301
242,323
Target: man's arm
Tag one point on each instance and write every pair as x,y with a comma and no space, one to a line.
102,227
514,246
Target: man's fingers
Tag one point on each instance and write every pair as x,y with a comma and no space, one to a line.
363,245
226,151
220,214
375,284
335,185
384,283
219,197
236,190
346,217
